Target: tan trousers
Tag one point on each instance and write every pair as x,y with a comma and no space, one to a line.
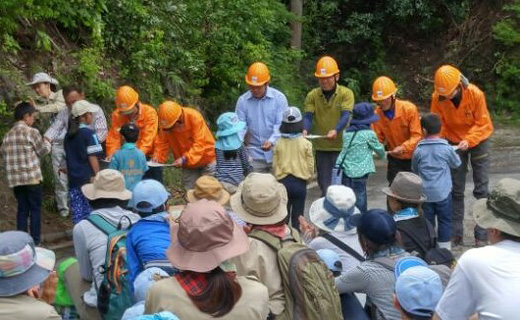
76,287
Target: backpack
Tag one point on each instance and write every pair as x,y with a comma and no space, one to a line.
114,293
432,254
309,287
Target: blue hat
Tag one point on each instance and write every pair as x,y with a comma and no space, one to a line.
418,290
229,124
331,259
407,262
363,113
147,195
378,226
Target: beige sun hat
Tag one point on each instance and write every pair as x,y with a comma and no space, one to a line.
108,184
336,210
81,107
208,187
407,187
502,209
260,200
205,237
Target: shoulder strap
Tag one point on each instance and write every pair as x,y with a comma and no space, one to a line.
101,223
267,238
414,238
343,246
385,262
348,147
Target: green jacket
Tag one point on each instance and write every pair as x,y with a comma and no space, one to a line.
357,160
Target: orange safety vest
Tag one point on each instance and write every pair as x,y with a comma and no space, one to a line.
470,121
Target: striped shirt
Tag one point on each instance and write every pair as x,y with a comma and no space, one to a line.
58,128
22,148
233,171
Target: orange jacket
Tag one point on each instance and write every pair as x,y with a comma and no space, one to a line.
470,121
403,130
192,140
147,123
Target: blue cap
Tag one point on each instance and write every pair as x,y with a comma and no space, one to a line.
407,262
147,195
378,226
331,259
418,290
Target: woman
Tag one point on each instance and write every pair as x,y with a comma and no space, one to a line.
375,276
405,198
206,287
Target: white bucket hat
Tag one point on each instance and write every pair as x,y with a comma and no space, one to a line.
336,211
42,77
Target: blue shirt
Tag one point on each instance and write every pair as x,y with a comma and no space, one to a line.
432,160
142,247
263,118
78,149
131,162
233,171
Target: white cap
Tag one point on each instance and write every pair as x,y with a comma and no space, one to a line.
292,115
42,77
81,107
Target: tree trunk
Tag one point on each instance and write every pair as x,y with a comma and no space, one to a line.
296,25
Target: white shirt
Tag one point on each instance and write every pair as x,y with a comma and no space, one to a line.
487,281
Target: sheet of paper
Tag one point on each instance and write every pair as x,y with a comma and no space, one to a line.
315,136
157,164
455,148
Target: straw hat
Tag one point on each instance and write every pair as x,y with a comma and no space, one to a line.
208,187
108,184
205,237
407,187
260,200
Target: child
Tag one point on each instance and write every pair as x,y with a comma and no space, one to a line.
432,161
82,150
129,160
233,163
293,162
356,158
22,148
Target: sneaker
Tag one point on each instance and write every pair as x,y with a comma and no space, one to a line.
64,213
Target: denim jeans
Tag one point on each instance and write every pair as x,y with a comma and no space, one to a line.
359,185
296,193
351,308
325,161
441,210
479,158
29,198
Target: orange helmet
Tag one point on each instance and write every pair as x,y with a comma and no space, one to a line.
169,112
257,74
326,67
382,88
126,98
447,78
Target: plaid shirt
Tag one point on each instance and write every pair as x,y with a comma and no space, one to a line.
58,128
22,148
195,283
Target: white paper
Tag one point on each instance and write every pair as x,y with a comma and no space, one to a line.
314,136
455,148
157,164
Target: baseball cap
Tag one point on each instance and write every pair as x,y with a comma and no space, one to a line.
418,288
81,107
292,115
147,195
378,226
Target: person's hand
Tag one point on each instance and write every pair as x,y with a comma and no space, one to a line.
304,133
247,228
178,163
308,230
463,145
332,134
397,151
62,170
48,289
34,292
267,146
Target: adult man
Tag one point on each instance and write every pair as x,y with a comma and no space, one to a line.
465,123
261,108
487,280
185,133
327,112
398,127
56,133
49,103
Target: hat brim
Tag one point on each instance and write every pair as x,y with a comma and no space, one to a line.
229,143
388,192
373,118
486,218
190,195
407,262
33,276
279,215
205,261
92,194
241,125
318,214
